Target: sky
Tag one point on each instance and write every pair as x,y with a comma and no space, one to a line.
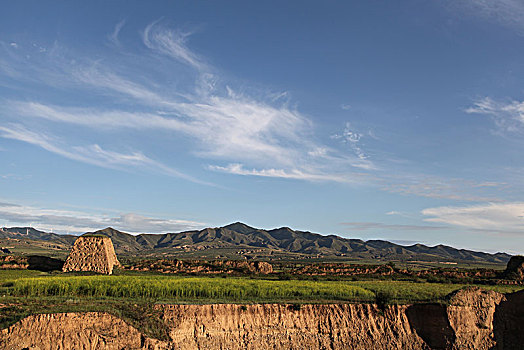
401,121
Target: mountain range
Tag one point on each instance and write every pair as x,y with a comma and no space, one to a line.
239,240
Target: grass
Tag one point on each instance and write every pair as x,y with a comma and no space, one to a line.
186,288
401,292
173,288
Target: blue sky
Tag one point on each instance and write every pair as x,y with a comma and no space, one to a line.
401,121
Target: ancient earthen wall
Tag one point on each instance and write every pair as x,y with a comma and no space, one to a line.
92,253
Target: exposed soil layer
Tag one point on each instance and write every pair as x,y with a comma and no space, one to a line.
276,326
91,330
470,315
474,319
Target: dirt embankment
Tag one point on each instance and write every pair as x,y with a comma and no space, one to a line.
90,330
472,320
475,319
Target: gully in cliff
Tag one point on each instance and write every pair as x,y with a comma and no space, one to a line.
92,253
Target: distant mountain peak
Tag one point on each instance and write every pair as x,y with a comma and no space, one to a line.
240,227
285,228
108,231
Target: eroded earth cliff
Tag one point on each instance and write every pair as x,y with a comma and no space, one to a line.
474,319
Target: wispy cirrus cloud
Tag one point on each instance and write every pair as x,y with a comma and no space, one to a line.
113,37
104,80
260,131
172,43
509,13
365,226
445,188
353,138
505,218
508,116
259,134
136,223
226,128
70,221
238,169
90,154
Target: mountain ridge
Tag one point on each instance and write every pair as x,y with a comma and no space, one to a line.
303,242
240,237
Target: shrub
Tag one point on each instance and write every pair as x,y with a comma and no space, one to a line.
383,298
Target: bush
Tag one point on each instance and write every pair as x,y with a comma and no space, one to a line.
383,298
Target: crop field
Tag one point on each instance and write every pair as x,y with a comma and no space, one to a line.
164,288
184,288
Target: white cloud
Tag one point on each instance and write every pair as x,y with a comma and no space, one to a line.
509,13
113,37
132,222
493,217
90,154
238,169
352,138
94,118
444,188
171,43
217,121
365,226
64,221
104,78
226,123
507,116
237,129
14,177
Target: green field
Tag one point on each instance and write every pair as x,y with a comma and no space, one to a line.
173,288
